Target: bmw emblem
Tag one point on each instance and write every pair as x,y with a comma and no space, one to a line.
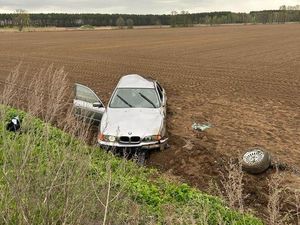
130,133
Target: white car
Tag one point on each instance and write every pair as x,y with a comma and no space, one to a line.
135,117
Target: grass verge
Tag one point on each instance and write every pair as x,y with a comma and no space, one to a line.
50,177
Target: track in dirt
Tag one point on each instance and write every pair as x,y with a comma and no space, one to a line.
245,80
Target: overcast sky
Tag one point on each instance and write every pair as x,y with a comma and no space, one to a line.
140,6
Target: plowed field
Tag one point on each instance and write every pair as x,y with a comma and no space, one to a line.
245,80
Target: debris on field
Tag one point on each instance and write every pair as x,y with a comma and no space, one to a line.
201,126
14,125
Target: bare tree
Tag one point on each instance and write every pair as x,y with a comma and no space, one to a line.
282,14
158,23
186,20
173,19
120,22
129,23
22,19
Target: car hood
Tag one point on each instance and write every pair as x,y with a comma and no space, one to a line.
131,122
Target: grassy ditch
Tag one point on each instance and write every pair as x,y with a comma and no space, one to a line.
50,177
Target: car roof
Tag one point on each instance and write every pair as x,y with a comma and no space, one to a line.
135,81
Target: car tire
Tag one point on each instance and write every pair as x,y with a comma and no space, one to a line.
256,161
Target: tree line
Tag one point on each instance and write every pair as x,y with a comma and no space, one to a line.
183,18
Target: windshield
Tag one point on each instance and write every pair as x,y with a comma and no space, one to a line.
135,98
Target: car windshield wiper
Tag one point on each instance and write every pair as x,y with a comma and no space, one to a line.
147,99
123,100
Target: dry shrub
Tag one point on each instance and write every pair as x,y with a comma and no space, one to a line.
292,201
232,185
297,204
74,126
274,204
13,88
46,96
284,202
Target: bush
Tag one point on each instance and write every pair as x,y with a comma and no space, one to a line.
129,23
87,27
120,22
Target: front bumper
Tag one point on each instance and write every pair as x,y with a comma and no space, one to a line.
143,145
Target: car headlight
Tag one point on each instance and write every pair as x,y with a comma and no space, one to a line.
110,138
152,138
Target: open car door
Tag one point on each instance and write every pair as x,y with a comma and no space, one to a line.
87,104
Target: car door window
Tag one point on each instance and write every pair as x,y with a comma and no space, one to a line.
85,105
84,93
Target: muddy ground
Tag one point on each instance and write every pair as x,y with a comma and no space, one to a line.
245,80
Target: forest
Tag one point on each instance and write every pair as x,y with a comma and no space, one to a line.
174,19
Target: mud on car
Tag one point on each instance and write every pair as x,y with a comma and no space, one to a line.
134,120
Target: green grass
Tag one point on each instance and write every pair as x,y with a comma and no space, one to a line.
157,197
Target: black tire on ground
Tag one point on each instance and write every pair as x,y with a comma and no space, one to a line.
256,160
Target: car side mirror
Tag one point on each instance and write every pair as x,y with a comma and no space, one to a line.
97,104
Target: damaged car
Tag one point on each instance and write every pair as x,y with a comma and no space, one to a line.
134,119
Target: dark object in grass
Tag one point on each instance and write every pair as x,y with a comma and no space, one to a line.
14,125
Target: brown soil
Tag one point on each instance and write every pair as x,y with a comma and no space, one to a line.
245,80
